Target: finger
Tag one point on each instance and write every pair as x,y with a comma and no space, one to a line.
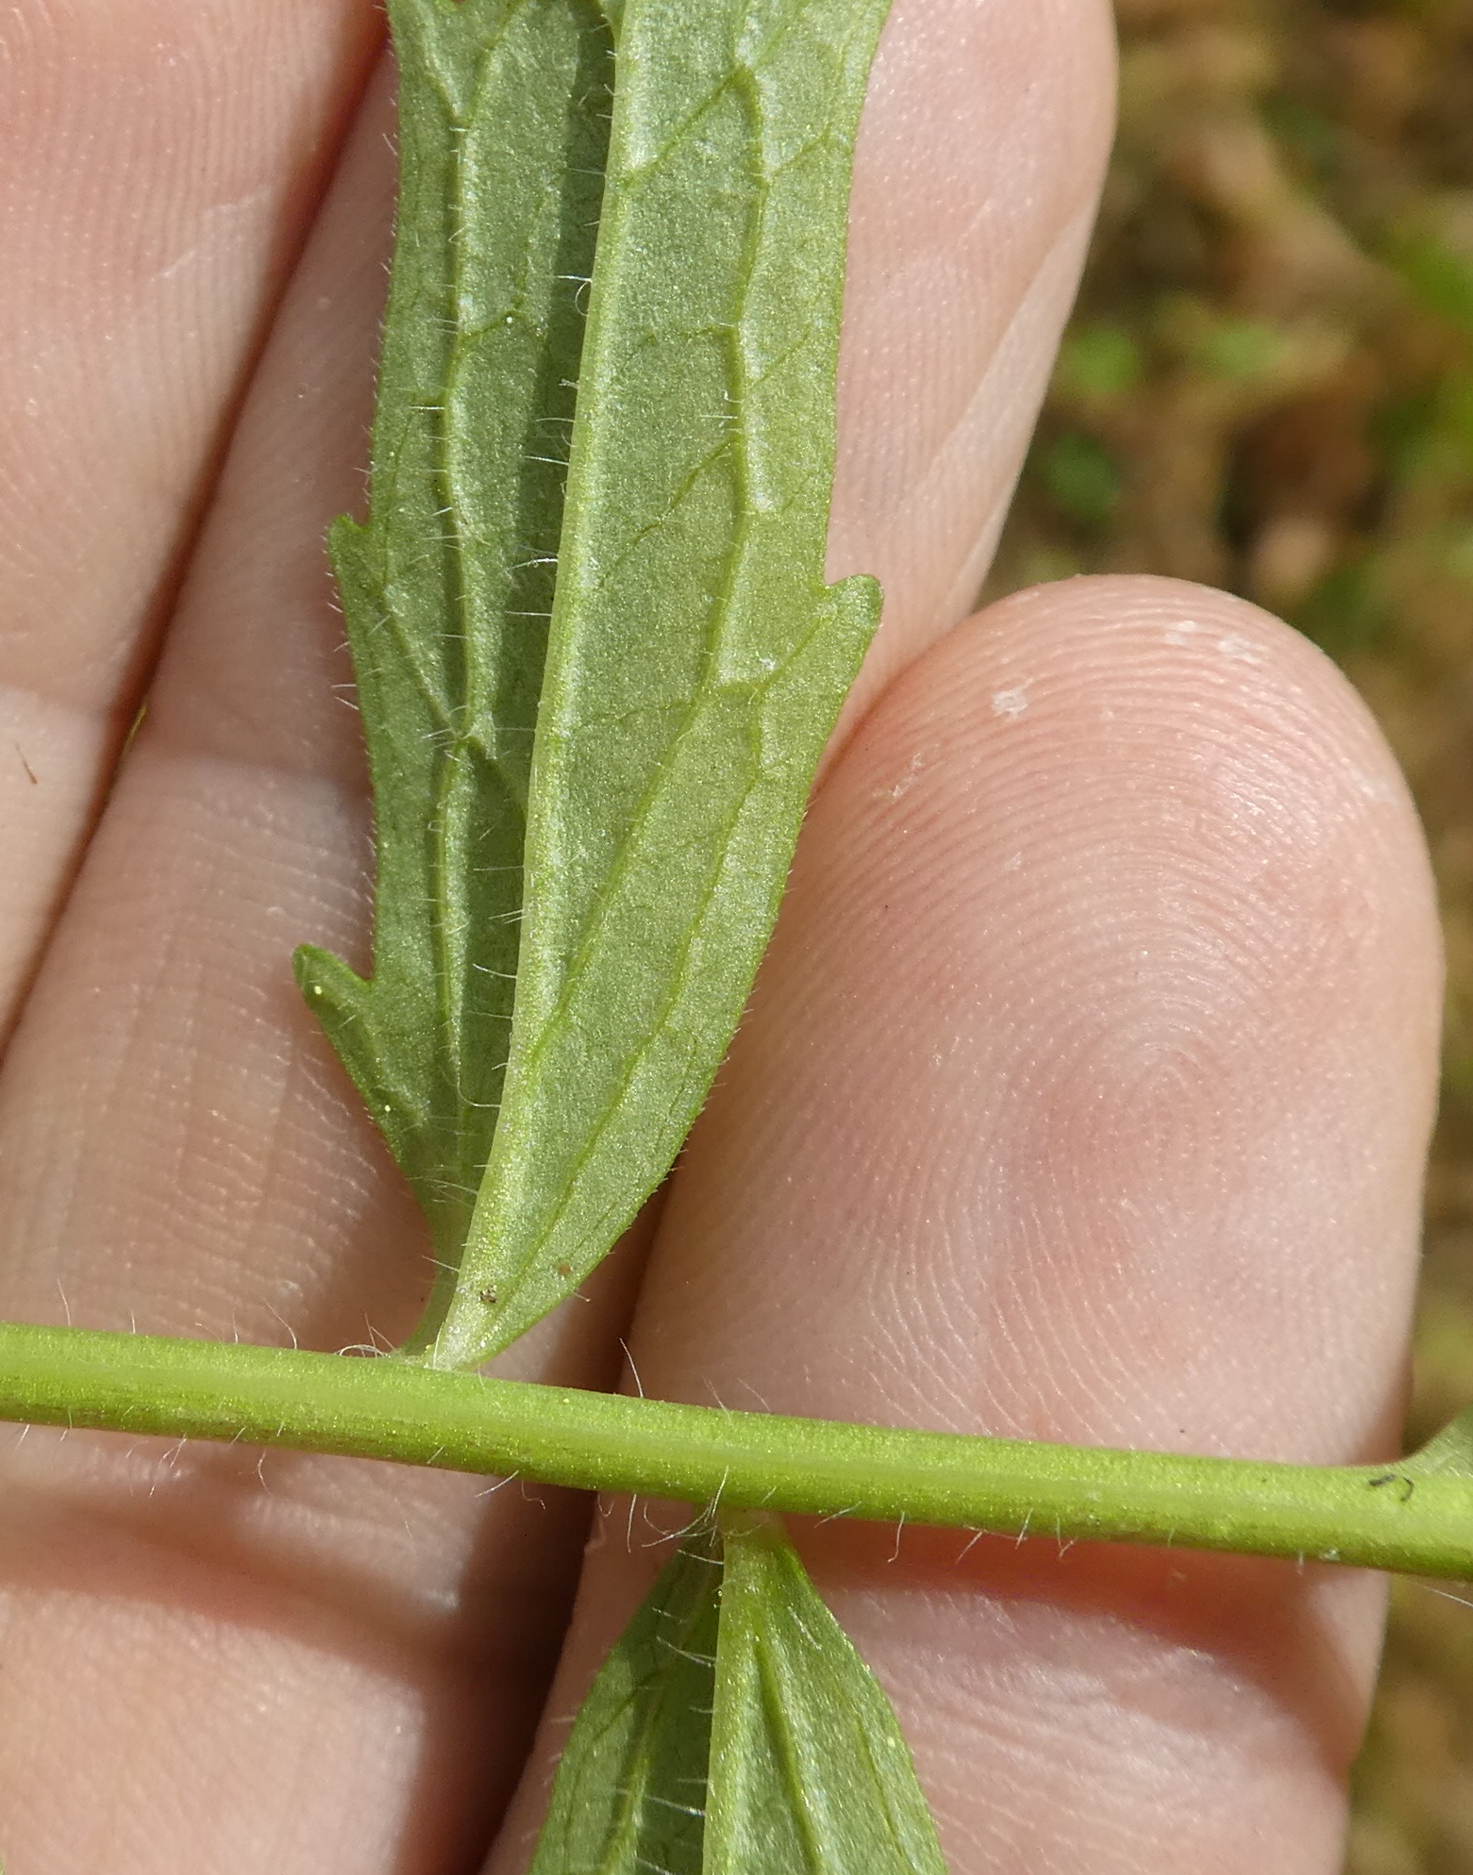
1084,1096
239,1187
255,1659
978,169
150,204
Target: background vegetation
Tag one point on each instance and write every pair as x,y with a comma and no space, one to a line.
1268,385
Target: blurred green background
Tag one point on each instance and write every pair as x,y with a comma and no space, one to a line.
1268,385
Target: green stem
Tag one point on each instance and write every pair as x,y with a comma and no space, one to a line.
1382,1517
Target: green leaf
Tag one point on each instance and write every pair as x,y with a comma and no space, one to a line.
630,1787
734,1729
810,1774
503,127
697,658
1449,1451
597,659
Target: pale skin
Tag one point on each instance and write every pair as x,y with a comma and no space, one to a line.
1084,1095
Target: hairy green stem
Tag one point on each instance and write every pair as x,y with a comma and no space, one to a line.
1400,1517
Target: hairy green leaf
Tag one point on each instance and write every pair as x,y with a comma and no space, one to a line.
733,1729
597,658
630,1790
809,1773
1449,1451
503,128
697,658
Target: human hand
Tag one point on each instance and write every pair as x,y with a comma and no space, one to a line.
1083,1095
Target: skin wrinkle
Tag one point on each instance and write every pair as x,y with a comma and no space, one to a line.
282,155
128,503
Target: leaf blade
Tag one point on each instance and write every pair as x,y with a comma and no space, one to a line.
809,1771
447,585
628,1795
1449,1450
697,658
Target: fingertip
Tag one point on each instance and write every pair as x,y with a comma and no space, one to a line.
1130,879
1085,1096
